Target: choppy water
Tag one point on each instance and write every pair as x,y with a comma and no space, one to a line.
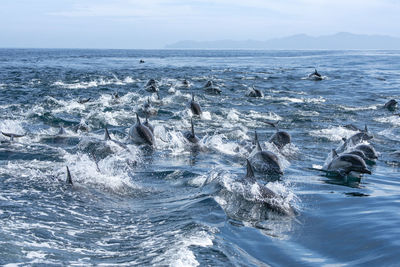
180,206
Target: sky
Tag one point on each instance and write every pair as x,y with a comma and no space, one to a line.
152,24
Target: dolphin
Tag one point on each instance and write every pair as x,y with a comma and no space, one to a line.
363,135
69,178
151,82
211,88
140,134
391,105
13,135
253,92
195,107
83,100
315,75
190,136
185,83
141,61
280,138
368,150
264,161
267,197
345,164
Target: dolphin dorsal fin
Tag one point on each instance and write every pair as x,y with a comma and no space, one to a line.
250,172
192,97
255,136
258,146
137,118
69,178
106,134
344,139
334,153
366,128
191,122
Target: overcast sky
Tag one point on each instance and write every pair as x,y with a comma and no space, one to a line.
155,23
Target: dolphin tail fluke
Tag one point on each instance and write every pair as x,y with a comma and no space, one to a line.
106,134
69,178
250,172
12,135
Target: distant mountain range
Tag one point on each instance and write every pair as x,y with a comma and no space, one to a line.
338,41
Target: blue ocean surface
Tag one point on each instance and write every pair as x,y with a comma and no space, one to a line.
183,205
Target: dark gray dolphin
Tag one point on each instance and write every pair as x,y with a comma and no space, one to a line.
265,161
83,100
185,83
280,138
190,136
253,92
13,135
368,150
357,138
211,88
69,177
267,197
315,75
151,82
345,164
391,105
141,61
140,134
195,107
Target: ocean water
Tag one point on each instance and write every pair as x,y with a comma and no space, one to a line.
179,205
